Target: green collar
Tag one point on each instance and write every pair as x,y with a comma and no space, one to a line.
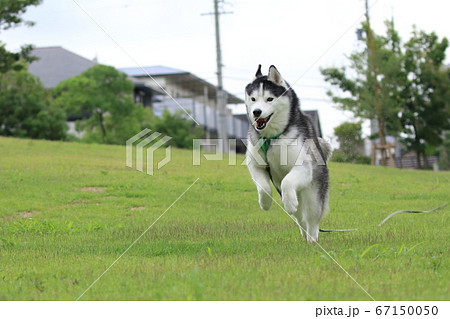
265,142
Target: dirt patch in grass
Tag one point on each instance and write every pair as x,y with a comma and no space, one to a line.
76,203
138,208
93,189
25,214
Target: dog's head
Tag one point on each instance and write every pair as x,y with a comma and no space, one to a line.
267,102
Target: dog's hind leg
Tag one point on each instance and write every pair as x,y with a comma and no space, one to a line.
297,217
300,223
311,213
303,231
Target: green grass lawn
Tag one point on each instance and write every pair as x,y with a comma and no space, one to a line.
69,210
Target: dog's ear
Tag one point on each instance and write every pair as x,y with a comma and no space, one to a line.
275,76
258,73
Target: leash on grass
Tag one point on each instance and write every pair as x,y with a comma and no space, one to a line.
386,219
380,224
265,143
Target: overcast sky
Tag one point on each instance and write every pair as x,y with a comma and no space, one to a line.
297,36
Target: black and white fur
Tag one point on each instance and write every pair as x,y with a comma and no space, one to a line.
273,108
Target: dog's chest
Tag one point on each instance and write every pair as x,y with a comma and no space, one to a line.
282,155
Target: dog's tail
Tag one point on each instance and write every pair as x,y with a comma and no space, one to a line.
326,148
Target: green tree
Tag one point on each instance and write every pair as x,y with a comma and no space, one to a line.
351,143
105,95
349,136
26,108
413,88
426,111
11,16
119,128
177,126
355,87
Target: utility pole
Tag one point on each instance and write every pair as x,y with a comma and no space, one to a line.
221,95
373,72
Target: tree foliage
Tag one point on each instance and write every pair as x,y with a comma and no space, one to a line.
414,87
355,87
426,111
11,16
11,12
26,108
349,136
103,98
177,126
351,143
12,61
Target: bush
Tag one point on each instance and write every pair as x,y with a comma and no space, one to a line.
349,136
342,157
27,110
119,128
339,157
363,160
182,130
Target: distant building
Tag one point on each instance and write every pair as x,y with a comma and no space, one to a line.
159,87
314,115
187,92
56,64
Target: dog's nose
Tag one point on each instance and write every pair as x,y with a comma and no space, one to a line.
257,112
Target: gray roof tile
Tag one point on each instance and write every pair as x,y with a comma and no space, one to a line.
56,64
152,70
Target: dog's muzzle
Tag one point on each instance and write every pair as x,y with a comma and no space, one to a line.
262,122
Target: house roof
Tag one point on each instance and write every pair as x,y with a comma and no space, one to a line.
184,79
56,64
314,115
151,89
156,70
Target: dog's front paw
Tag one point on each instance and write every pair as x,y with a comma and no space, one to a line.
265,201
290,202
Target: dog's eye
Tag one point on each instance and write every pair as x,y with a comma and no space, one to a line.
253,99
269,99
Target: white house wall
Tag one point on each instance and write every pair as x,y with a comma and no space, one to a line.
203,115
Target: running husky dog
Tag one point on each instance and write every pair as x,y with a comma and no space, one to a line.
283,147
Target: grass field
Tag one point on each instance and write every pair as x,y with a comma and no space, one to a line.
69,210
